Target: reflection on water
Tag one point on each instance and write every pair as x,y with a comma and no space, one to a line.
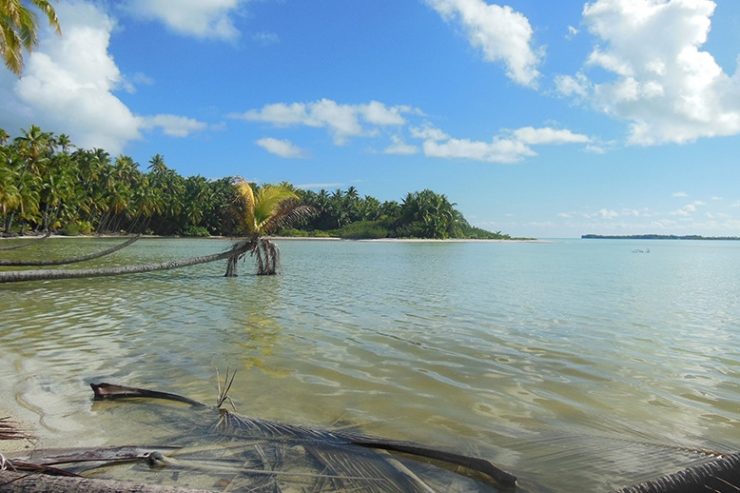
540,357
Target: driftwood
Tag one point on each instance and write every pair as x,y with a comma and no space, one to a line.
53,274
108,391
15,482
69,260
318,440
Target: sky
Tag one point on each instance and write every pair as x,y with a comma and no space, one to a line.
536,117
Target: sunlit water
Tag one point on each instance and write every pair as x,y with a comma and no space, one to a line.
556,360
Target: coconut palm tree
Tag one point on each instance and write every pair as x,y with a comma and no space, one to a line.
51,274
18,29
266,211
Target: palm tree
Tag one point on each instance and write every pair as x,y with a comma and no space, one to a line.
18,30
266,211
51,274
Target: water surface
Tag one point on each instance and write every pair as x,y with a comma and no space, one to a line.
558,360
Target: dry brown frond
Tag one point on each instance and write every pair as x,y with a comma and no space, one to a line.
10,430
223,391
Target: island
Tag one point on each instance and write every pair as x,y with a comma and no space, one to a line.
657,237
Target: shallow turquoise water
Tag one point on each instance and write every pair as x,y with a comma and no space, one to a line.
557,360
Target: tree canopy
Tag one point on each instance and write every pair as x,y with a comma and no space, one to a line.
46,183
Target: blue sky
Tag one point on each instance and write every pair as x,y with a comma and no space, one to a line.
538,118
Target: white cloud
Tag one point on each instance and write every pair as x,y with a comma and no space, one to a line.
662,83
501,33
679,194
280,147
173,125
688,209
498,150
427,132
572,32
199,18
342,120
400,147
547,135
509,148
69,82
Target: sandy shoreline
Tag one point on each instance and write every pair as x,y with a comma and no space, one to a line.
293,238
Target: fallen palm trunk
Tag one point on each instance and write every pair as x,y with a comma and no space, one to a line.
720,476
338,442
53,274
15,482
70,260
27,243
103,391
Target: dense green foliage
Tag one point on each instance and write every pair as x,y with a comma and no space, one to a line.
48,184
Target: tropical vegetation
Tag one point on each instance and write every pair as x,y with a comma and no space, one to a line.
48,184
19,30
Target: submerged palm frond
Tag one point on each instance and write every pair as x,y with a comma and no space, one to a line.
10,430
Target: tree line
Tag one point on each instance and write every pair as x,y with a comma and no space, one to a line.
48,184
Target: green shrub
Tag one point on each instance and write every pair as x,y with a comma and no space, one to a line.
363,230
196,232
77,228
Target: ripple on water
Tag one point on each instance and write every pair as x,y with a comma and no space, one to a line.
540,356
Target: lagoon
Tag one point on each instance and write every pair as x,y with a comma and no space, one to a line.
567,362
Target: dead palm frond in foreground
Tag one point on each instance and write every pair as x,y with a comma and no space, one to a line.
10,430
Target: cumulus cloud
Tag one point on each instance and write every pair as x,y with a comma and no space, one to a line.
662,82
68,86
342,120
498,150
172,125
547,135
281,147
428,132
508,148
688,209
200,18
502,35
399,147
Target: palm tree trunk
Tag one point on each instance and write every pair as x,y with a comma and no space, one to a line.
26,243
70,260
51,274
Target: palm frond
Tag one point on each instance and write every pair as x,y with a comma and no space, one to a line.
223,392
289,213
268,201
246,195
45,7
10,430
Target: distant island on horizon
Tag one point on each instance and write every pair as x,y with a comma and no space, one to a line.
657,237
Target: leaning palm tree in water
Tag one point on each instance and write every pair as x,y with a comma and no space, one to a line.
264,212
